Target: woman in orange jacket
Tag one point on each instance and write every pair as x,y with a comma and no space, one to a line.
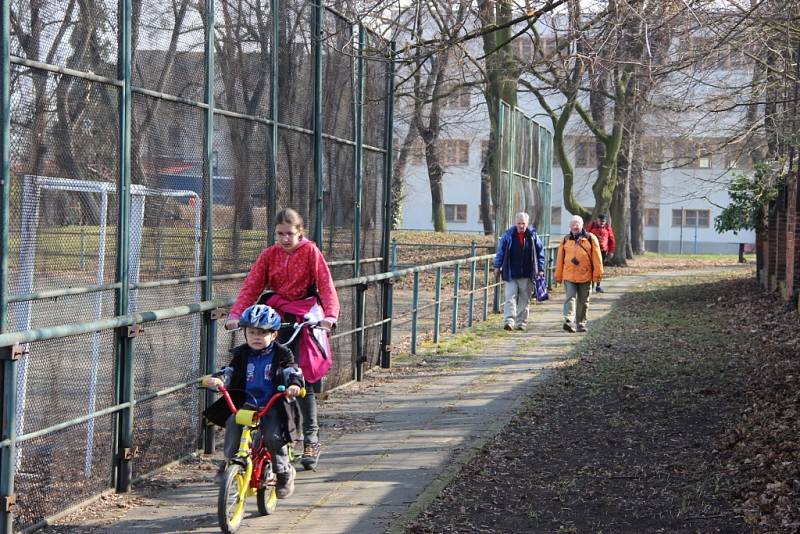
579,265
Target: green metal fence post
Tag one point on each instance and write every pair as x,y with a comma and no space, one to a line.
456,289
486,290
386,327
361,305
437,305
357,188
472,271
414,306
496,304
388,246
317,113
358,169
8,365
123,452
209,332
272,188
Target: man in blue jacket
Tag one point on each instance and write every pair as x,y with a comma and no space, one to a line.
519,260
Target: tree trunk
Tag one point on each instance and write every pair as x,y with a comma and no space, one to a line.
620,215
637,201
435,175
486,189
502,76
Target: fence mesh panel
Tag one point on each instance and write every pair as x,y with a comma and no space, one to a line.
525,162
78,35
61,469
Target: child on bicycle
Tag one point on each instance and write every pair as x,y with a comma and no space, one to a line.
293,269
256,370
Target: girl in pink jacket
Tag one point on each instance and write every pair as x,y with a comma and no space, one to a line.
293,268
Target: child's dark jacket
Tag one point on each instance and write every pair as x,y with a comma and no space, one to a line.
282,358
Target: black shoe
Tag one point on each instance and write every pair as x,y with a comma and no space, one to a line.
285,486
310,455
599,289
581,328
568,327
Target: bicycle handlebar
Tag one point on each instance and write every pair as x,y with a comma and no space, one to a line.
267,407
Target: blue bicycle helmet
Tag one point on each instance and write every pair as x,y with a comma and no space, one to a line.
260,316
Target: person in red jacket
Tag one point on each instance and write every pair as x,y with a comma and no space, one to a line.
294,269
605,236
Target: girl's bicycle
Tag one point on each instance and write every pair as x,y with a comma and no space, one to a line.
249,472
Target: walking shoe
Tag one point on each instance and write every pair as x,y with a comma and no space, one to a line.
285,486
599,289
310,455
582,328
509,327
522,326
568,327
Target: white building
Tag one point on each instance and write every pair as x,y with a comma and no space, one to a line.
686,176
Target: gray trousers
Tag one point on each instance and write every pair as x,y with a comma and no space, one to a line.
308,406
270,427
577,296
515,307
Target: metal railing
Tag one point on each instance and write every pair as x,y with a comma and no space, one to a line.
130,325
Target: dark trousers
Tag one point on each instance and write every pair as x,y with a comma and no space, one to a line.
308,404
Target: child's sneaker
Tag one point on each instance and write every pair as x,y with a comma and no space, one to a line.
310,455
285,485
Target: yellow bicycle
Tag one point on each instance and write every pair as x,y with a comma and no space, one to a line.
249,472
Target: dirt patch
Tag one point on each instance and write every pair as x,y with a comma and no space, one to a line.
635,436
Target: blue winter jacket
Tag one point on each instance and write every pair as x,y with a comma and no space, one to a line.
502,260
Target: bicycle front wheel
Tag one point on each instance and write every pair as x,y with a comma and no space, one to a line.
232,498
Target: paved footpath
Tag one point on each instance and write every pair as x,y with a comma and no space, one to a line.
415,431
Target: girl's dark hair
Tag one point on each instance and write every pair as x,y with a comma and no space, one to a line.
290,217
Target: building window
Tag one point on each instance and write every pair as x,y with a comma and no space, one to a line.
691,218
699,218
458,97
451,152
585,153
651,217
455,212
555,216
693,154
523,48
480,212
454,152
652,154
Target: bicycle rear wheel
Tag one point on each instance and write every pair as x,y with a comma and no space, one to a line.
232,499
267,500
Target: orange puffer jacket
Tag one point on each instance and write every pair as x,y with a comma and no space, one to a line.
579,260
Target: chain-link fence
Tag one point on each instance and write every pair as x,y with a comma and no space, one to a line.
526,153
124,194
